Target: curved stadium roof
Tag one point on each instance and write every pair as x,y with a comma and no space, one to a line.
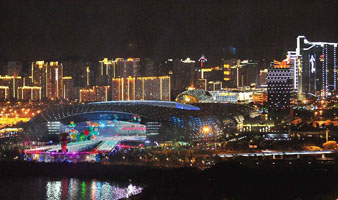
185,117
159,110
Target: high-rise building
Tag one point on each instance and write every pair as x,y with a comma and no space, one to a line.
148,68
48,76
185,75
4,90
54,81
12,83
240,73
96,93
68,88
27,93
280,87
106,72
262,78
141,88
119,67
82,72
230,71
315,65
248,73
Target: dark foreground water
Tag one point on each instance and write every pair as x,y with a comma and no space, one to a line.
63,188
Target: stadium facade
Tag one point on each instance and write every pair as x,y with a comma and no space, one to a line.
150,120
153,120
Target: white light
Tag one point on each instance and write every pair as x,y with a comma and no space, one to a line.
312,60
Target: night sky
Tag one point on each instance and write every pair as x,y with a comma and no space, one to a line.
93,29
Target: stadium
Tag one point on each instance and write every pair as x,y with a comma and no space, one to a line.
115,121
102,126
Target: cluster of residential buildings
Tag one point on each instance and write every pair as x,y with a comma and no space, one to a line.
309,71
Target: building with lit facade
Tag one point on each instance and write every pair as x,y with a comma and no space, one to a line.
229,71
4,90
68,93
217,96
280,87
119,67
82,72
229,96
211,78
151,120
95,93
262,78
185,74
12,82
314,67
260,97
141,88
240,73
48,76
214,85
29,93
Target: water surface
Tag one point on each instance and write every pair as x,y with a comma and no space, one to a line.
64,188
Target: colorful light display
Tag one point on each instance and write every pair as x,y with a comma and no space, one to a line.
87,134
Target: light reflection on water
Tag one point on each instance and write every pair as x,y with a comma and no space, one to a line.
79,189
62,189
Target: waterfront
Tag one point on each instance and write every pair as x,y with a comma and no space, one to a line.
238,179
64,188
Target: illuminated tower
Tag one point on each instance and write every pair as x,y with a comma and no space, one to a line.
48,76
280,87
12,82
141,88
54,81
317,66
202,60
119,67
107,71
131,67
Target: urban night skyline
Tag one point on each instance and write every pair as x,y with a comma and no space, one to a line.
105,99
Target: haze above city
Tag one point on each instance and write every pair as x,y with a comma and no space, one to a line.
36,30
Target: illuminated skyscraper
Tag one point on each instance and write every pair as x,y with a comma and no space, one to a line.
119,67
141,88
315,66
27,93
4,90
96,93
82,72
280,87
48,76
185,75
54,81
12,83
106,72
148,67
68,88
